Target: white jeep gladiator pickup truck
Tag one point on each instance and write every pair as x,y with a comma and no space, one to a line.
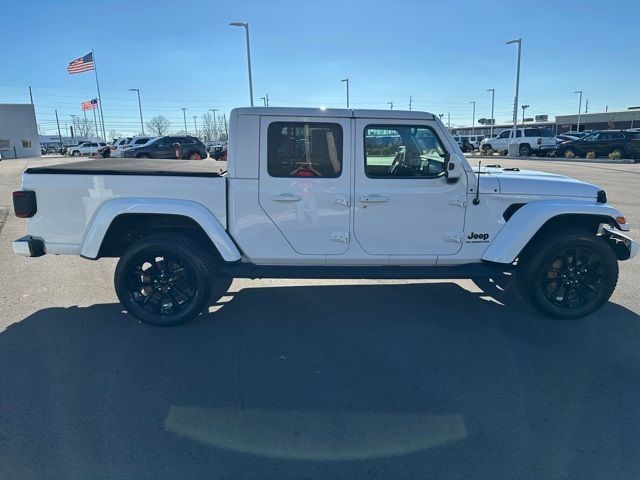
316,193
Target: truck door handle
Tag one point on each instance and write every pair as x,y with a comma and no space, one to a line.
375,198
286,197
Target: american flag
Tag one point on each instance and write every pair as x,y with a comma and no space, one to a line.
82,64
90,105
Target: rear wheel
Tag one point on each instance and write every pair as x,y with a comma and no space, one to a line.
164,279
76,153
485,149
194,156
569,153
616,153
144,155
525,150
568,275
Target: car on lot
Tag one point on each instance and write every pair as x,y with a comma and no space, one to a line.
121,144
167,147
218,150
621,143
85,148
309,193
530,141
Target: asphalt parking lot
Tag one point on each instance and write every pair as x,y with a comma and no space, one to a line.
316,379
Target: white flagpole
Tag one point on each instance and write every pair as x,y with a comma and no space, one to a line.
95,70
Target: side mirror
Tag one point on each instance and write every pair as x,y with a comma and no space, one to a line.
451,168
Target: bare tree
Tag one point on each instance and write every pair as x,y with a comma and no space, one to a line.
113,134
208,130
159,125
82,126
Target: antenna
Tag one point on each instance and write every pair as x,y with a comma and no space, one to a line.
476,201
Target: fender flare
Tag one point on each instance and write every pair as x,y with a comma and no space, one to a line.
530,218
109,210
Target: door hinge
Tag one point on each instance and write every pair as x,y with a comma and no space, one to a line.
342,201
454,237
460,201
340,237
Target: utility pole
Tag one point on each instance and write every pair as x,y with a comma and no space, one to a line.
226,132
195,123
410,101
515,101
73,122
449,120
586,106
391,104
215,122
493,96
184,116
473,119
579,107
267,95
59,134
346,81
30,95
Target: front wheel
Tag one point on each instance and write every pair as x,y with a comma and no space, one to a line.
76,153
568,275
164,279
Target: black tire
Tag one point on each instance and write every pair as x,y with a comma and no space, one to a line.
525,150
164,279
569,153
194,156
485,149
568,274
75,153
144,155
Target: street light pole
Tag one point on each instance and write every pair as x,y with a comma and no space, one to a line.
184,115
195,123
137,90
515,101
391,104
346,81
410,102
579,108
246,31
493,95
524,107
473,119
73,124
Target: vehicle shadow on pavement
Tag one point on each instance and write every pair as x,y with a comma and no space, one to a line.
343,381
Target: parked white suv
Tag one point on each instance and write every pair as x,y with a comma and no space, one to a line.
530,140
86,148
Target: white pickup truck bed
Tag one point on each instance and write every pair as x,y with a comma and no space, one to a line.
68,202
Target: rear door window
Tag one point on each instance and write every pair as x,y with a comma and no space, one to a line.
304,149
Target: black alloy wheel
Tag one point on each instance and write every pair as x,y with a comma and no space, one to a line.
162,284
573,277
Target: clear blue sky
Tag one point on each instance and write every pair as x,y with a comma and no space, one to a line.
443,53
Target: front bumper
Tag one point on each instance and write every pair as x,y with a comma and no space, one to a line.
29,246
624,246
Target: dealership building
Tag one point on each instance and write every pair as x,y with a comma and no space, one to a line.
18,131
620,119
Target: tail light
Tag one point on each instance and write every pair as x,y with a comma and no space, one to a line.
24,203
539,141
